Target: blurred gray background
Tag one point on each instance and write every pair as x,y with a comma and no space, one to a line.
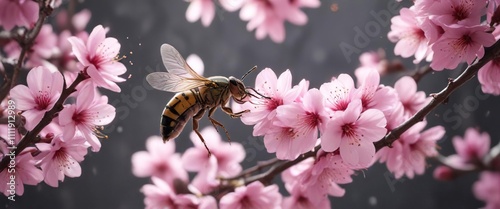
227,48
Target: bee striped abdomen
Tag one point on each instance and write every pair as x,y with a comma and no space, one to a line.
176,114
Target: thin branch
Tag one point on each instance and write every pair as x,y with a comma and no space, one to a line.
260,165
26,41
490,53
30,137
420,73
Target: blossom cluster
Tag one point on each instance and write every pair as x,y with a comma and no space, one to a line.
169,173
266,17
64,73
447,33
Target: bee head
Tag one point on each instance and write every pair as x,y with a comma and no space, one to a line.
238,90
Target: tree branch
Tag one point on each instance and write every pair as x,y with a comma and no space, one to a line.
29,138
490,53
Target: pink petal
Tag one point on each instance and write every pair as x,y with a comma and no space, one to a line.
96,37
23,98
141,164
194,11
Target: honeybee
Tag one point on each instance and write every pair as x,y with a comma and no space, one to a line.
196,94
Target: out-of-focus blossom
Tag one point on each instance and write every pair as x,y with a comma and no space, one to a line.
268,17
410,38
408,153
297,126
97,58
196,63
252,196
224,161
18,13
473,147
411,100
374,60
60,158
353,133
279,90
458,44
89,111
201,9
44,47
42,92
160,160
489,77
161,195
487,189
300,200
25,172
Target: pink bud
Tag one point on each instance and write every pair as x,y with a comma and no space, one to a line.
444,173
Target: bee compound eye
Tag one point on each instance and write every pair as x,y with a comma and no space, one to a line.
233,82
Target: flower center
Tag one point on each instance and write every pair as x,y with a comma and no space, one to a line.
61,157
42,100
349,130
462,43
312,119
274,103
460,12
80,117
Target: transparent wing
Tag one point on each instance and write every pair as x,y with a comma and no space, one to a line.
171,82
176,65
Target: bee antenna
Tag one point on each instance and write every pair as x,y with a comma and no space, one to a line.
262,96
251,70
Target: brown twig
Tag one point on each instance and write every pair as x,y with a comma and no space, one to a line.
420,73
438,98
30,137
26,41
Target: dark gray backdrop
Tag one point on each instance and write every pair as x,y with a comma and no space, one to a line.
311,51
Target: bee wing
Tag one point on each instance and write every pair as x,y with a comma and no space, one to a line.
176,65
171,82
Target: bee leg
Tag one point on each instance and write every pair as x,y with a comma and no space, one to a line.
196,118
229,111
215,122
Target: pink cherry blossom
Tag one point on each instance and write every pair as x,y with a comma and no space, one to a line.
161,195
373,60
487,189
25,172
300,200
160,160
42,92
462,12
338,93
458,44
89,111
201,9
252,196
408,153
297,127
279,90
473,147
268,17
60,158
412,101
444,173
376,96
224,161
18,13
98,58
353,133
44,47
324,177
489,75
410,38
